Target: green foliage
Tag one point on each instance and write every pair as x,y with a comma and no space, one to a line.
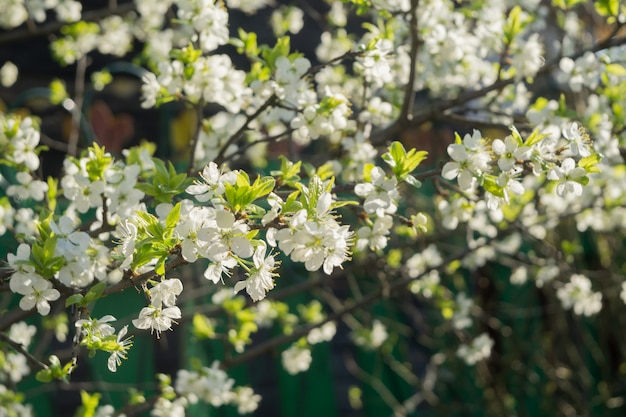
534,137
567,4
289,172
165,183
590,162
55,371
202,327
58,92
89,404
43,259
156,240
270,55
607,8
98,163
242,194
186,55
246,43
362,6
94,293
101,79
516,22
312,312
403,163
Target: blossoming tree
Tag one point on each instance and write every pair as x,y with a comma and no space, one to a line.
317,177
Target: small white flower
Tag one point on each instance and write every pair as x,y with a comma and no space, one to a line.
8,74
165,292
296,359
260,278
246,400
479,349
380,194
578,141
578,294
510,152
120,350
470,161
156,318
37,292
569,176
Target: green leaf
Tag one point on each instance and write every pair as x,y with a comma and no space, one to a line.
172,217
89,404
247,43
95,292
289,171
262,186
535,137
589,162
58,92
45,375
202,327
397,151
74,299
607,7
490,185
165,183
281,48
160,266
342,203
516,21
566,4
402,162
53,188
98,163
616,69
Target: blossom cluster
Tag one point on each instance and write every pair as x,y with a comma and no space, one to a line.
110,222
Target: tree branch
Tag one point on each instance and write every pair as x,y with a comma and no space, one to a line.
409,91
27,33
435,111
19,348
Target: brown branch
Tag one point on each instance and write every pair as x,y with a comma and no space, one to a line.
14,316
196,137
27,33
19,348
396,128
239,133
77,111
407,105
349,308
132,281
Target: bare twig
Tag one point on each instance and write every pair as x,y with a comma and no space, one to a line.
77,110
19,35
396,128
18,347
409,91
219,159
196,137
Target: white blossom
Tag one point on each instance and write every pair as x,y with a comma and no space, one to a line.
478,350
296,359
577,294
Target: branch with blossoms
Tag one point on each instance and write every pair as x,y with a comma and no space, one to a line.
353,222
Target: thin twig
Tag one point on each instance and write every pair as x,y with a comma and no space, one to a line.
26,33
219,159
196,137
409,91
396,128
348,308
18,347
77,110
